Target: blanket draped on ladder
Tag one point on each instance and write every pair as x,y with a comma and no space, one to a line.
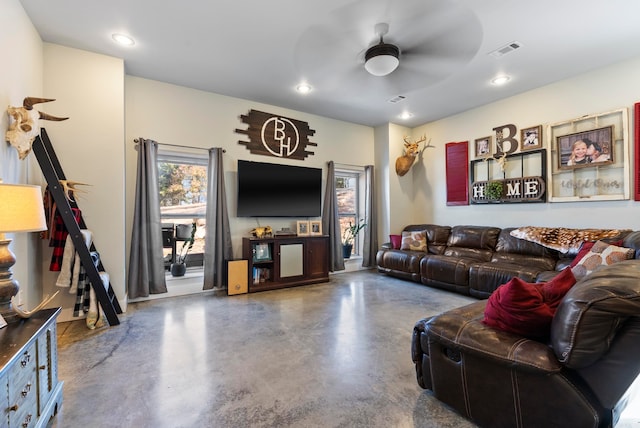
74,278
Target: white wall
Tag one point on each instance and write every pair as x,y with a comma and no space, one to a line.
21,77
89,89
95,147
172,114
396,193
602,90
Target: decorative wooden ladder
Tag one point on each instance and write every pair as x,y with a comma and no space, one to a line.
53,173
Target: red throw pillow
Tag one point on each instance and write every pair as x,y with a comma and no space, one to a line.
527,309
396,241
553,291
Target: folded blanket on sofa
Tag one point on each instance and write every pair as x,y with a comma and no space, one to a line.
563,239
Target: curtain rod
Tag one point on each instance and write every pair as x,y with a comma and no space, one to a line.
349,165
137,141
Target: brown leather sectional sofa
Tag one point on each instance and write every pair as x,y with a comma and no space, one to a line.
583,376
475,260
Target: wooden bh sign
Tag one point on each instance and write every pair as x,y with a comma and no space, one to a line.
279,136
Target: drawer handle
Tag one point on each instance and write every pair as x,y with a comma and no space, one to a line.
42,367
26,389
25,424
14,408
25,360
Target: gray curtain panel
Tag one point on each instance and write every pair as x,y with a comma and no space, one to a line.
217,241
370,247
331,222
146,264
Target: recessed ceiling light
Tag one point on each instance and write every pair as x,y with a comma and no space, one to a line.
500,80
406,115
303,88
123,39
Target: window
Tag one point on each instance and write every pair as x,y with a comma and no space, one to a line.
347,193
182,182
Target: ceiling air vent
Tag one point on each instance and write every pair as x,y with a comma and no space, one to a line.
397,99
506,49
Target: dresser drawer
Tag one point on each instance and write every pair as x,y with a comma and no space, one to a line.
23,390
4,400
30,392
25,417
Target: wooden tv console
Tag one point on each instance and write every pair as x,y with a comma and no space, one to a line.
286,261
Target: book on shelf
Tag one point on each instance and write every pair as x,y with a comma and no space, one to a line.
261,275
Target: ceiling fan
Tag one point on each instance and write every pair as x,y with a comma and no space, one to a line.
414,44
383,58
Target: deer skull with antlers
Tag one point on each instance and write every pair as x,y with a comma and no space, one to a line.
24,127
411,150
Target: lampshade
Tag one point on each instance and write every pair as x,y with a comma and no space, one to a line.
21,208
381,59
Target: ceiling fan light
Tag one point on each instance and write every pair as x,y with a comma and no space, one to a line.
381,59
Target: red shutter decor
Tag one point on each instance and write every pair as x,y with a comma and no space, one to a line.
636,140
457,164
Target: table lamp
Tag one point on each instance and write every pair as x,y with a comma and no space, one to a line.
21,210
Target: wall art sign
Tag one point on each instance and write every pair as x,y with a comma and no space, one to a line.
589,158
505,139
522,189
514,178
278,136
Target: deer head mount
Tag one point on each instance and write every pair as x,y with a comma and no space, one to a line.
24,128
411,150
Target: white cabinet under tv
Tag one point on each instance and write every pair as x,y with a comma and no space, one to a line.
281,262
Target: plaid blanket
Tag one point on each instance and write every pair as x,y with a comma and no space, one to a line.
58,235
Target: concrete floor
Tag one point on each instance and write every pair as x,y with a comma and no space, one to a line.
327,355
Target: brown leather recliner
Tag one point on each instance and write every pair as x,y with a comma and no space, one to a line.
582,378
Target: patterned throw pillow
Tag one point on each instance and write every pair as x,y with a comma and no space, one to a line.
586,247
415,240
601,254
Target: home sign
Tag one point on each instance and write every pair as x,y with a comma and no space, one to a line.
521,189
279,136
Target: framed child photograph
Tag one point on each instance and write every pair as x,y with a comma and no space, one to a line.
483,147
531,138
586,149
315,227
262,252
303,227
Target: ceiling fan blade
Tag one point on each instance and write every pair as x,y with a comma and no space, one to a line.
435,38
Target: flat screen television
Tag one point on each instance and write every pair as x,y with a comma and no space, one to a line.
273,190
